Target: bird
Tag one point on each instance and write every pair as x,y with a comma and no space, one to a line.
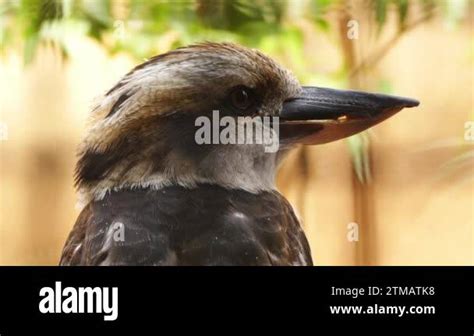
151,194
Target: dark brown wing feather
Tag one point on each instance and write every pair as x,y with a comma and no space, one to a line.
208,225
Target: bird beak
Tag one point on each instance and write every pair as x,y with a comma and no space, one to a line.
321,115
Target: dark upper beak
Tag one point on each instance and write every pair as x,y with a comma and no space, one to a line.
321,115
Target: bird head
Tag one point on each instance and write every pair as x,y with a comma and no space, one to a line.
149,130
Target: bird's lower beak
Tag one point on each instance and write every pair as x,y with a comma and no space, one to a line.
321,115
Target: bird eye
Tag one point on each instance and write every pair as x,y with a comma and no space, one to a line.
241,98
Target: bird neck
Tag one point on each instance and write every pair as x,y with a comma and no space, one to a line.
235,169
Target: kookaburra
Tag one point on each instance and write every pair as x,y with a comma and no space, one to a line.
154,195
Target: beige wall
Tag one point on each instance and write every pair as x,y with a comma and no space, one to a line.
417,214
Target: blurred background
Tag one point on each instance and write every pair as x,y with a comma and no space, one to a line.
400,194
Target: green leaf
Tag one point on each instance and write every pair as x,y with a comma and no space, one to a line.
29,51
359,150
380,13
319,7
385,86
323,24
455,10
402,6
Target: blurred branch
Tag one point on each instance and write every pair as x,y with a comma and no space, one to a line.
373,59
